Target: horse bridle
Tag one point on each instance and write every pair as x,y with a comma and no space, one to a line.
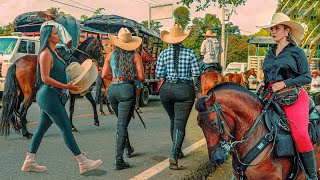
222,127
227,145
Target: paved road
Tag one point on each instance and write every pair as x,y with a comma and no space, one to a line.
152,146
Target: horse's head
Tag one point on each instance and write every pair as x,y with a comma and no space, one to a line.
252,72
216,128
92,48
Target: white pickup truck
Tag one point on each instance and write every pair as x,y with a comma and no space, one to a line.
12,48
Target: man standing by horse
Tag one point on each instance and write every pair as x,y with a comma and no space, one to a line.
210,49
63,48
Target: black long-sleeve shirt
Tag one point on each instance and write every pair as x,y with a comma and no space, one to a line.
291,66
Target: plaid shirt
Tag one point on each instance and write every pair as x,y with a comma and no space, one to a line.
188,64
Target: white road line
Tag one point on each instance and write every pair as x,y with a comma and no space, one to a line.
164,164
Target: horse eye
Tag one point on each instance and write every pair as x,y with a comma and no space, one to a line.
214,124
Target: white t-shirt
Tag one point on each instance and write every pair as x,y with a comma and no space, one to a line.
210,49
315,81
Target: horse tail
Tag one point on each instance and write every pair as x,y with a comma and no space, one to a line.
10,101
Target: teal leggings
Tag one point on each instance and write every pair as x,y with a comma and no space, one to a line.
52,111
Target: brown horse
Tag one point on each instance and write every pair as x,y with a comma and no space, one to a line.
210,79
20,90
226,117
241,78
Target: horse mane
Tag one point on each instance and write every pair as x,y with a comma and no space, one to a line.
85,43
234,86
200,105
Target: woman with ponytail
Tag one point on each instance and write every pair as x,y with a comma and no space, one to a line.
178,67
122,65
52,82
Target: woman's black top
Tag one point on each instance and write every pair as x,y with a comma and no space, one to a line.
291,66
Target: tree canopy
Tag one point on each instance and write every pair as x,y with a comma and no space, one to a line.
204,4
154,25
181,16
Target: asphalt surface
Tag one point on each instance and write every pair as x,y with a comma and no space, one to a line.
152,146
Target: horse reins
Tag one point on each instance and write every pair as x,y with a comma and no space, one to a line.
222,127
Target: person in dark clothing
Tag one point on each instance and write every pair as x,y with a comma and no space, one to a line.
52,83
178,67
286,65
122,64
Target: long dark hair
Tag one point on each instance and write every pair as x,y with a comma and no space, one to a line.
124,61
44,38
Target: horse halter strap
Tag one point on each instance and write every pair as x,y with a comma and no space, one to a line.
220,115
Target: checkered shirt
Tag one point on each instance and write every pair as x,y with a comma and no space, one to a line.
188,64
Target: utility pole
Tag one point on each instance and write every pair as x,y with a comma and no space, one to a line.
223,60
149,20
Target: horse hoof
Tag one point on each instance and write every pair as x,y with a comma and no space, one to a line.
139,110
111,112
103,113
96,123
74,129
28,135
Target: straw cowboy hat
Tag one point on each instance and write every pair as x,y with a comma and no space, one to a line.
315,71
209,33
83,75
175,35
125,40
280,18
49,12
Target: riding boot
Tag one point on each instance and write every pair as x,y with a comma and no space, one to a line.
129,149
119,162
181,155
309,163
176,148
31,165
86,164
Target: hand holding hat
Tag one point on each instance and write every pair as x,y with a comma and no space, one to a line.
82,76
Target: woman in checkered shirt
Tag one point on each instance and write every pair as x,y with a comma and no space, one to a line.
178,66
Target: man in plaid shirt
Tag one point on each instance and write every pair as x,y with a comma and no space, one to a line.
178,66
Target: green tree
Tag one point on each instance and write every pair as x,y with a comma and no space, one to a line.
262,32
6,30
203,4
154,25
83,17
98,11
181,16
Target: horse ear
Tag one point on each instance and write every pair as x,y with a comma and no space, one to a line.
212,96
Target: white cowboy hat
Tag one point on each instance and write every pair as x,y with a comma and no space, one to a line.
315,71
83,75
209,33
125,40
175,36
280,18
49,12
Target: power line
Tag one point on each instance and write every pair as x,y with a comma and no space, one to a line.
155,2
82,4
71,5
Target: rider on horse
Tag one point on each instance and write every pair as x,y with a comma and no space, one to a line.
286,66
210,49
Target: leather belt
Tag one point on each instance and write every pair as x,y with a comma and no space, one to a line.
122,82
180,81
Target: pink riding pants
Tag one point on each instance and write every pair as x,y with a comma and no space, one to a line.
298,117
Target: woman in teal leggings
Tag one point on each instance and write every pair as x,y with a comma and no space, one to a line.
52,82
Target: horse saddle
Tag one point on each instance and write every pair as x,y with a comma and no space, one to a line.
284,144
206,67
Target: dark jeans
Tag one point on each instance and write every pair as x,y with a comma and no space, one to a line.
52,111
177,99
316,98
122,98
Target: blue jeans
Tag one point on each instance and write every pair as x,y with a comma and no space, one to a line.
52,111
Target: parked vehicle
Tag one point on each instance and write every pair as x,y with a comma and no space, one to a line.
12,48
